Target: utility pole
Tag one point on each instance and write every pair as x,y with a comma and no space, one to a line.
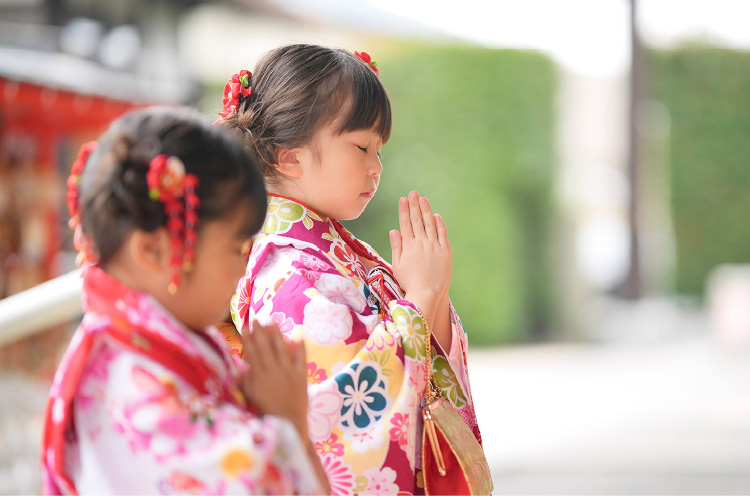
631,287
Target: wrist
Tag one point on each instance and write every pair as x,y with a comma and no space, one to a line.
427,303
301,425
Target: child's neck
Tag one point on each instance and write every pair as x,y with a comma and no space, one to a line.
293,193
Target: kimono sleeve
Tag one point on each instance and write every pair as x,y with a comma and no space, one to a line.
142,430
366,374
310,298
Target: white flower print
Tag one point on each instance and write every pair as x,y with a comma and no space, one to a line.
381,481
324,411
340,290
364,441
327,323
337,367
312,262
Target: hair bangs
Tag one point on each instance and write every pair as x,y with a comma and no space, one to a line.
369,106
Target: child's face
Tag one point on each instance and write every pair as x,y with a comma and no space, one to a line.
204,293
341,173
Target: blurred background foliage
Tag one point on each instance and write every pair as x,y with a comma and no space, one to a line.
474,132
706,92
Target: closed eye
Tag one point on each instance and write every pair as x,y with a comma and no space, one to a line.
363,148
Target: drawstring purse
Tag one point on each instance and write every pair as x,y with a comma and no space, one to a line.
453,462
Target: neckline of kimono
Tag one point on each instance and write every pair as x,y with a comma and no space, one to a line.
295,201
351,241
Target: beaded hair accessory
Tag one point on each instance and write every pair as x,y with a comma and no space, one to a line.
168,183
365,57
238,85
72,198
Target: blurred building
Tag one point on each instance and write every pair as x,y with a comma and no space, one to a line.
67,69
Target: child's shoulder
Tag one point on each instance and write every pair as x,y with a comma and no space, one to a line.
280,249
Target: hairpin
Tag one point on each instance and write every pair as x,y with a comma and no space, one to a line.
238,85
168,183
81,243
365,57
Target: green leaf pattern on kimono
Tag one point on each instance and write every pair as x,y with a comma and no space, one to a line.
383,358
447,381
282,214
408,324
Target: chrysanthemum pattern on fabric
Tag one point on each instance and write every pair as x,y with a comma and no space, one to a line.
366,371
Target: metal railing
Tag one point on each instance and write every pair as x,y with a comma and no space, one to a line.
51,303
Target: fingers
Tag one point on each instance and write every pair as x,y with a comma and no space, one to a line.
404,221
265,346
442,231
415,215
395,237
250,348
299,358
428,220
246,383
278,345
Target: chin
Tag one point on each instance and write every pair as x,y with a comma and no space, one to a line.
350,215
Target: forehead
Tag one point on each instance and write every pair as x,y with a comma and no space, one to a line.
365,109
332,132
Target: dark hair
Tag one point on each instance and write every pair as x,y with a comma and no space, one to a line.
299,88
114,196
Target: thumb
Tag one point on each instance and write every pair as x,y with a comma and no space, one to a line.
297,349
395,237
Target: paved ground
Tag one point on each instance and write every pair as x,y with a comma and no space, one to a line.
21,410
667,416
659,418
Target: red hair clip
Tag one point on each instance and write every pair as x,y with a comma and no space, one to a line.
238,85
168,183
365,57
72,198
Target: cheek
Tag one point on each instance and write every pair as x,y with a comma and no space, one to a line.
235,270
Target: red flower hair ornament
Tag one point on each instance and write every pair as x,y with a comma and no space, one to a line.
168,183
365,57
81,243
238,85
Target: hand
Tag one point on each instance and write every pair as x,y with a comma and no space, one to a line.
276,382
422,256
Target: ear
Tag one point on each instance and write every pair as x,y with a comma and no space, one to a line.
291,161
151,251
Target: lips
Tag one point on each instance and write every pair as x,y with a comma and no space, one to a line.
368,194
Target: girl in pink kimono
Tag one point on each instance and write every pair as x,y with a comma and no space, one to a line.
147,398
316,119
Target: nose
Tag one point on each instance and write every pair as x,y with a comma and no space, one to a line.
376,167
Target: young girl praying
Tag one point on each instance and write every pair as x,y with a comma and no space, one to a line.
147,398
316,119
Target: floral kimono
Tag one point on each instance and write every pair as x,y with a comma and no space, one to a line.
365,347
142,405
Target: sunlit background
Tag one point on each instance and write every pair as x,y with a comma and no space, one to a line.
591,159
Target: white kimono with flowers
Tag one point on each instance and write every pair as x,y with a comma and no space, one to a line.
142,405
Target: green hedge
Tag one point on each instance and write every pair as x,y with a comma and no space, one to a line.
707,92
473,131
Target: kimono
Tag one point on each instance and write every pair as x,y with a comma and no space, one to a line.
142,405
365,347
